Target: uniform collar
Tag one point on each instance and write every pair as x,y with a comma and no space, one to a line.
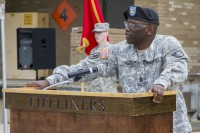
150,53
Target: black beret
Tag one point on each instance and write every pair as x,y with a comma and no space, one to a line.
142,14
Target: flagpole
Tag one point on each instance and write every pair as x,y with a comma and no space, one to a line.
2,17
83,56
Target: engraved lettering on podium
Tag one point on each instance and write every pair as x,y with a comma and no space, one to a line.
66,103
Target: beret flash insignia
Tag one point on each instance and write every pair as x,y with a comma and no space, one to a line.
132,11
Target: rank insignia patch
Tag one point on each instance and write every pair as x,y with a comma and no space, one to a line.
177,54
104,53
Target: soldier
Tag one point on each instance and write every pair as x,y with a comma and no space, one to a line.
150,62
101,84
97,54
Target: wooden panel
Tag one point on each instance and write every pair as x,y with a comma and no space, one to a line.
124,104
50,122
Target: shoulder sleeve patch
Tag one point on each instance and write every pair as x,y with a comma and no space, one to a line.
104,53
177,54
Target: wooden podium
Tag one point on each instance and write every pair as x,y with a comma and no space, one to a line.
55,111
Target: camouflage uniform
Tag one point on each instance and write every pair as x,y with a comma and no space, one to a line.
164,63
100,84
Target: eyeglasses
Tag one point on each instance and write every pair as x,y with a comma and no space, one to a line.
132,26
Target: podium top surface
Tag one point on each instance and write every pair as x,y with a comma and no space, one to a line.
30,90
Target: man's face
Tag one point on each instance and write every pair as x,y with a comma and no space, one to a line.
100,36
135,31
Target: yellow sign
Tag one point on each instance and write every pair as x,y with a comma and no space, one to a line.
28,19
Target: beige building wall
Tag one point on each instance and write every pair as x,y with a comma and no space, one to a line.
48,6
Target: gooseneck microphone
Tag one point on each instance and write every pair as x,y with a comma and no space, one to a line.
75,76
83,72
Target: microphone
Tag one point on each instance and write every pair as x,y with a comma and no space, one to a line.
83,72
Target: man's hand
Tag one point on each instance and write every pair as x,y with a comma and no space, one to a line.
41,84
158,91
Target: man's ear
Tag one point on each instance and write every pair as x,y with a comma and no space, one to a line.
151,30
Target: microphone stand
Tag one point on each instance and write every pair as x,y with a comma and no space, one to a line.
75,79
